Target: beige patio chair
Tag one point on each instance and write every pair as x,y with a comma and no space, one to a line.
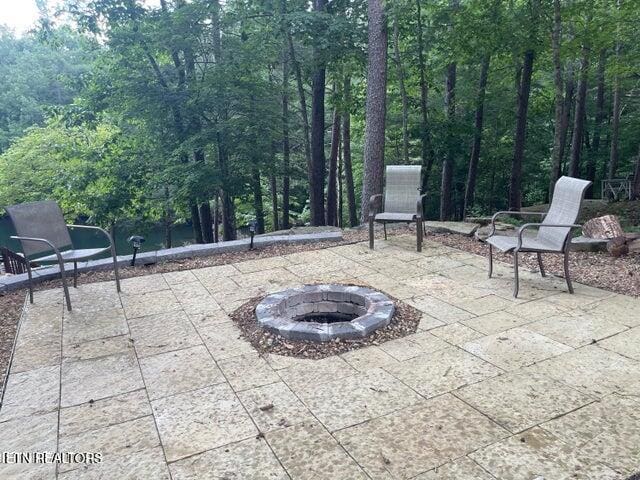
554,233
41,228
402,201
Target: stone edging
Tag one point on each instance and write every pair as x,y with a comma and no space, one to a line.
278,312
15,282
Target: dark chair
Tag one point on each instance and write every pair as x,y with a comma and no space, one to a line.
41,228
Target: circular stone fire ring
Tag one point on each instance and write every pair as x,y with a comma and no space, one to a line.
321,313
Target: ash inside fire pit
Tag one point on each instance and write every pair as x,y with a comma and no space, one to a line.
325,312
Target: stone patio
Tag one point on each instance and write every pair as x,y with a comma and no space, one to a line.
158,380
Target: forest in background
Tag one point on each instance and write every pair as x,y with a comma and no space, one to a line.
216,112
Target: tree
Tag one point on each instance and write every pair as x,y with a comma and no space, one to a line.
376,108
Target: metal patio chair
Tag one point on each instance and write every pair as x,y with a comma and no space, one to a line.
554,233
402,201
41,228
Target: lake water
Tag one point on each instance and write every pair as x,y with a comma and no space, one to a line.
154,237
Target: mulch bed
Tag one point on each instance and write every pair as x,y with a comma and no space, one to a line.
404,322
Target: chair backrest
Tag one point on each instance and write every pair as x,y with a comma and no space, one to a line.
402,188
39,220
564,210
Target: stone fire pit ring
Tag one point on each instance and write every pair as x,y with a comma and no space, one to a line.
348,312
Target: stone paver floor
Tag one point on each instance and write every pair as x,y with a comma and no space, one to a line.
158,380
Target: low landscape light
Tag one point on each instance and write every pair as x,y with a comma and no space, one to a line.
136,242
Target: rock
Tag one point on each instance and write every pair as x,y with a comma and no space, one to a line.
461,228
606,227
584,244
634,245
618,247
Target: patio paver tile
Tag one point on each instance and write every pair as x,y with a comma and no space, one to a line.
461,469
98,378
223,340
31,393
538,454
355,399
515,348
456,333
367,358
162,333
419,438
103,413
37,433
150,303
200,420
249,459
309,452
80,327
606,431
315,372
625,343
248,371
274,406
496,322
576,330
439,310
179,371
442,371
103,347
594,371
413,345
522,399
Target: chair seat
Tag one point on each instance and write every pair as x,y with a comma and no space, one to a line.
72,255
507,244
395,217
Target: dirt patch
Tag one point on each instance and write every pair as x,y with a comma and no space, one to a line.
404,322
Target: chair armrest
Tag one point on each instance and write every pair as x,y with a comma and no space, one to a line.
420,205
372,204
40,240
89,227
529,226
509,212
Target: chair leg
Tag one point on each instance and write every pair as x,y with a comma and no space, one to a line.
567,275
419,233
490,260
541,265
384,226
63,275
30,281
75,274
371,232
516,277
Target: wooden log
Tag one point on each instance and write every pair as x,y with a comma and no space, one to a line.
604,227
618,247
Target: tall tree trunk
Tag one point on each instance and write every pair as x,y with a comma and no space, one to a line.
286,143
558,139
332,188
346,154
597,129
615,117
469,193
403,92
425,135
340,186
579,116
376,108
273,184
206,222
168,218
635,192
216,219
195,224
515,181
448,165
318,159
258,206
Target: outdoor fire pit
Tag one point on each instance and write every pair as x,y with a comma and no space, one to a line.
322,313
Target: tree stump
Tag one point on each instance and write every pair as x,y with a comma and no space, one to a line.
606,227
618,247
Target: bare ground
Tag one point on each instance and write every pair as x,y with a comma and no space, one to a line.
620,275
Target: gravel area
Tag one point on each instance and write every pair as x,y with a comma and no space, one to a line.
404,322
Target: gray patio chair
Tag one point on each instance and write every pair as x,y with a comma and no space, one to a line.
554,233
41,228
402,201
